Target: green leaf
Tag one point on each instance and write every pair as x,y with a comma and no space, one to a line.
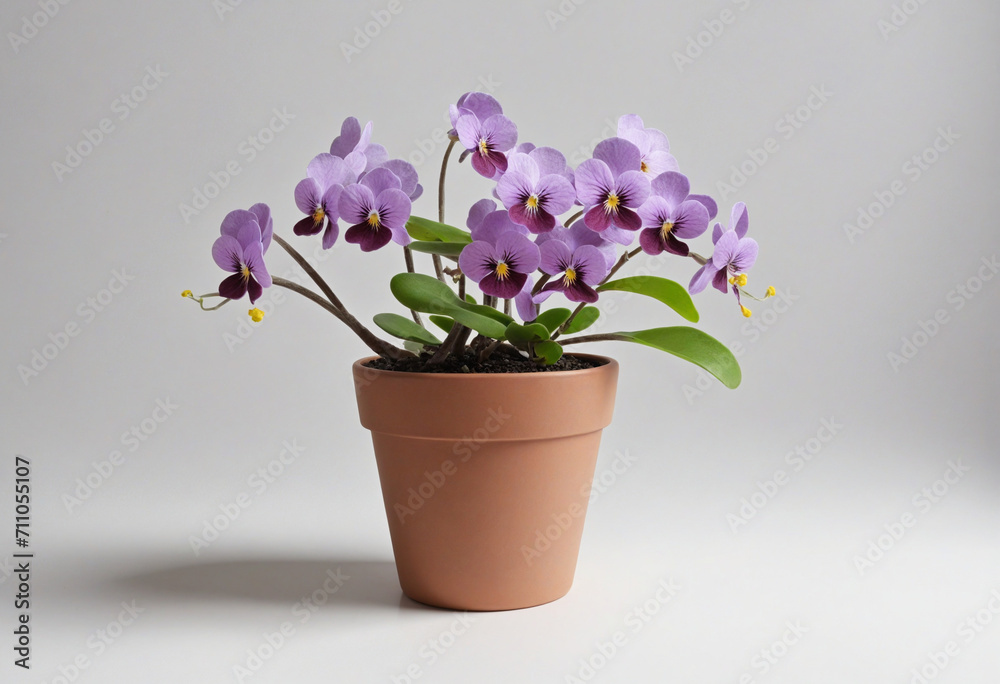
432,231
404,328
549,351
414,347
691,345
670,293
443,322
469,298
522,334
448,249
429,295
583,320
553,318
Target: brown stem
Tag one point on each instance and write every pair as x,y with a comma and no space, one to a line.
603,337
572,218
461,287
376,344
699,258
488,352
444,168
408,257
311,272
449,342
506,306
540,284
621,262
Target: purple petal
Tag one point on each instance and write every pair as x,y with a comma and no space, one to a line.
393,208
619,154
710,205
649,240
356,201
381,179
675,246
249,234
483,105
580,292
475,260
331,201
628,122
557,192
549,160
701,278
537,222
619,236
525,166
494,225
555,256
328,169
671,186
597,218
655,211
627,219
745,255
500,131
308,226
227,253
365,138
235,220
266,223
590,264
308,195
724,250
514,186
632,187
505,288
375,156
520,252
253,257
658,162
369,238
407,174
717,233
719,281
524,304
233,287
593,182
580,234
482,165
356,163
468,131
739,221
690,220
254,289
350,134
478,211
330,234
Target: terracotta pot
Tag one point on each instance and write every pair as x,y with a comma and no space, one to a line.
486,478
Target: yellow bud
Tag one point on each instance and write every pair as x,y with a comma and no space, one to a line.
746,312
741,279
256,315
186,293
770,292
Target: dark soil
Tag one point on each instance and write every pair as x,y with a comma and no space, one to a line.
503,360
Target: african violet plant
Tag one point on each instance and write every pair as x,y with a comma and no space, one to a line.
518,254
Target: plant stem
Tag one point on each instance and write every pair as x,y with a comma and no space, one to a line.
621,262
449,342
506,306
376,344
461,287
540,284
311,272
408,257
444,168
572,218
603,337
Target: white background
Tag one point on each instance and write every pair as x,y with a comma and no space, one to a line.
562,73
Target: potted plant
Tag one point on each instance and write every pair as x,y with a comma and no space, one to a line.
485,431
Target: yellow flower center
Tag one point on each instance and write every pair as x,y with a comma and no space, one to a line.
245,271
484,147
643,166
612,201
666,228
570,276
532,202
739,280
319,214
373,220
502,270
256,315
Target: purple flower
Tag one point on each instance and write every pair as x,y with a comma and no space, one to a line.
353,143
611,187
501,269
481,104
319,194
495,224
534,200
734,255
378,210
581,269
578,235
669,215
240,251
654,149
407,174
487,140
524,303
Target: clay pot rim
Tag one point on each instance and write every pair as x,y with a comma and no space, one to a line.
606,363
